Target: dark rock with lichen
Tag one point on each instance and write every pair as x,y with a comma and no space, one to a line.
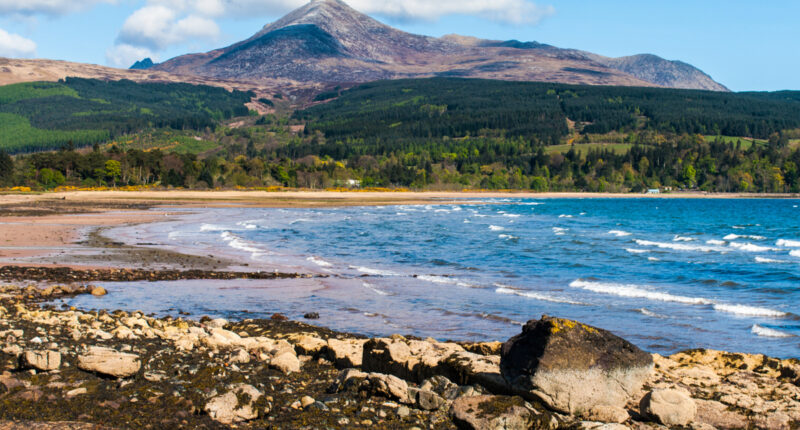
573,367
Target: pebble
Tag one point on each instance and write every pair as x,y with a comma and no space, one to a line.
403,411
306,401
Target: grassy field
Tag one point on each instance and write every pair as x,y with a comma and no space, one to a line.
747,142
166,141
583,148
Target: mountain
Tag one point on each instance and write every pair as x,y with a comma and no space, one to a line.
143,65
328,42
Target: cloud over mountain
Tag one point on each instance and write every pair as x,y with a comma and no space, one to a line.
47,7
14,45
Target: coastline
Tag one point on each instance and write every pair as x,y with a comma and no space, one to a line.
729,390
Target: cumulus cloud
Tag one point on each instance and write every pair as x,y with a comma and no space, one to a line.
157,27
47,7
14,45
124,55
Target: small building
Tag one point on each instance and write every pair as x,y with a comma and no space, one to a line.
354,183
653,191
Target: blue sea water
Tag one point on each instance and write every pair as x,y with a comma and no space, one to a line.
667,274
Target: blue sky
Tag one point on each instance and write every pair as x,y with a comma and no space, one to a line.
743,44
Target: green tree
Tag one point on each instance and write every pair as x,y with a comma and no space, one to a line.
689,175
113,170
6,166
50,178
539,183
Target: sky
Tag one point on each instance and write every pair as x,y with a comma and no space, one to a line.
745,45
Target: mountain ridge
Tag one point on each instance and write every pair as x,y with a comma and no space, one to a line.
328,42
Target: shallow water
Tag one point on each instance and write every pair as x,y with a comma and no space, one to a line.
665,274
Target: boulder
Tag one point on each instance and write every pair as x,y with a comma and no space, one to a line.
498,412
346,353
669,407
467,368
107,361
413,360
286,362
608,414
442,386
217,323
308,345
99,291
572,367
390,386
42,360
235,406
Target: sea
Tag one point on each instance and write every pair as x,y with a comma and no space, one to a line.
666,274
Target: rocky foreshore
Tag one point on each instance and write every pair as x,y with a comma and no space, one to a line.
72,369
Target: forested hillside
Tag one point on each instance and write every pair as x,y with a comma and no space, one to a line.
40,116
448,134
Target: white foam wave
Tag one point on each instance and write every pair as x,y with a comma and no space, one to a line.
749,311
319,262
640,292
749,247
795,254
374,289
445,280
507,236
786,243
679,238
676,246
213,227
560,231
505,289
511,215
651,314
565,216
743,236
768,332
716,242
653,259
637,251
304,220
375,272
496,228
619,233
636,292
236,242
770,261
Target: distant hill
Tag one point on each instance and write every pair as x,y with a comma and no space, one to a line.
143,64
326,41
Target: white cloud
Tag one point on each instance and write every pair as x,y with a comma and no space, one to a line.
124,55
47,7
157,27
509,11
14,45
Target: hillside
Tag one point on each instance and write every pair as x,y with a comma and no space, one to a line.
40,116
328,42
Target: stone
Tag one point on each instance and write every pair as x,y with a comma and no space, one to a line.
390,386
217,323
236,406
572,367
467,368
239,356
107,361
608,414
492,413
99,291
42,360
413,360
441,386
308,345
76,392
592,425
286,362
429,401
670,407
346,353
346,379
306,401
403,411
311,316
279,317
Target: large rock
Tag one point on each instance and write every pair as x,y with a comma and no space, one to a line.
107,361
498,413
573,367
235,406
286,362
346,353
669,407
42,360
413,360
390,386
